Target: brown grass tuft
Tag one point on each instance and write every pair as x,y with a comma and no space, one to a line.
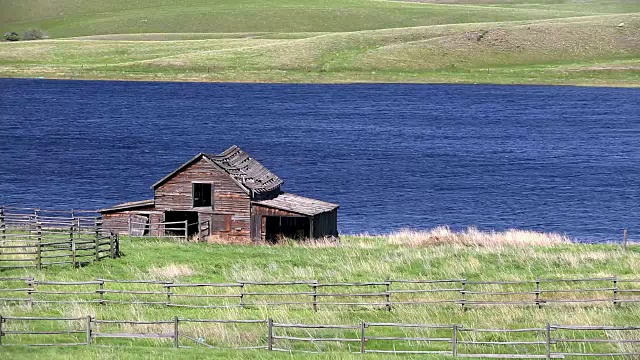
171,271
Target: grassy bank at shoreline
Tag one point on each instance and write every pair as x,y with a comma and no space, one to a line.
338,41
437,254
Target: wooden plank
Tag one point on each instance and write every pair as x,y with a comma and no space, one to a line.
293,338
134,335
315,326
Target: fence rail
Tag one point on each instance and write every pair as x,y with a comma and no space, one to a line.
34,240
143,227
545,342
313,294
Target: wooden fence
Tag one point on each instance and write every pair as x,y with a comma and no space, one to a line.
315,295
33,240
545,342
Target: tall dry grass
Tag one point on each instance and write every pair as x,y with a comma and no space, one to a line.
443,235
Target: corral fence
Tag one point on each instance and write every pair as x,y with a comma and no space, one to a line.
36,239
140,226
17,218
544,342
313,294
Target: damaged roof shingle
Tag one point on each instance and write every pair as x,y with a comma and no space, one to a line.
246,170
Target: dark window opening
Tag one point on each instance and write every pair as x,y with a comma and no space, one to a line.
202,195
174,223
282,227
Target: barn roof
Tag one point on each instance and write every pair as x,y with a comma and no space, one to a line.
244,169
298,204
129,206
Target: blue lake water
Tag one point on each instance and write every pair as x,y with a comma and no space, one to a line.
561,159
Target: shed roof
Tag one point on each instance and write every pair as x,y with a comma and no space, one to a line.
129,206
244,169
298,204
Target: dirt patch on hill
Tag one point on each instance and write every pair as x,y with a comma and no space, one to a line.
461,2
607,68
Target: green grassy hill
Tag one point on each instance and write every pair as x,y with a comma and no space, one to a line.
497,41
84,17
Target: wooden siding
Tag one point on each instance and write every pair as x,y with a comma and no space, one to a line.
267,211
228,199
258,218
325,224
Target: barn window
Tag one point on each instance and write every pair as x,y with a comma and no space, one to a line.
202,194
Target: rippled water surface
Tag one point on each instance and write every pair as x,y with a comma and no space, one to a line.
560,159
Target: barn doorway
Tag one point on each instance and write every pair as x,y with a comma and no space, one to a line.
286,227
179,217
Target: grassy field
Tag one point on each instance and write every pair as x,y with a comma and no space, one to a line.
401,256
335,41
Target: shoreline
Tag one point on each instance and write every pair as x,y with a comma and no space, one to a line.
155,79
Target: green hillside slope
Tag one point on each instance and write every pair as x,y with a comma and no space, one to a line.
84,17
497,41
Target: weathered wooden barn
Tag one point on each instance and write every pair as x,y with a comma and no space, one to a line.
228,197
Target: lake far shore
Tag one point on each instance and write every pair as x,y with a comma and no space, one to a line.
629,79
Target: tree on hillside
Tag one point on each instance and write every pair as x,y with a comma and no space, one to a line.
11,36
34,34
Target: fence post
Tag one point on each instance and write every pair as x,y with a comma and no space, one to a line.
129,225
39,256
176,342
112,252
73,221
315,295
168,288
3,226
387,295
615,291
548,342
39,239
363,339
454,341
538,292
1,334
97,227
32,286
625,239
269,334
116,239
463,292
73,253
101,286
186,230
89,330
241,295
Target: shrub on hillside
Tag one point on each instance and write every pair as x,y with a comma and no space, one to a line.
34,34
11,36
